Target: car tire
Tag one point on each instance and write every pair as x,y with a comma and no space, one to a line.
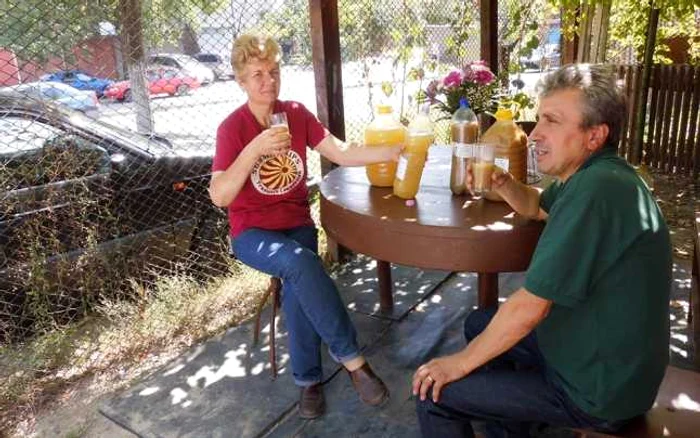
127,96
182,89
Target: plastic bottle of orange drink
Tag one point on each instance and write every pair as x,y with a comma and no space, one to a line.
384,130
511,147
413,157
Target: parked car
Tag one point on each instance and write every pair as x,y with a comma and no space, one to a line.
188,65
82,198
222,69
80,80
160,81
62,94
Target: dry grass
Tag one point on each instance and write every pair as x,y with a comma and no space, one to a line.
121,342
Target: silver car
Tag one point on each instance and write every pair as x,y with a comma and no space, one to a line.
221,68
81,100
188,65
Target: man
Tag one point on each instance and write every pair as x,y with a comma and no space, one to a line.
584,343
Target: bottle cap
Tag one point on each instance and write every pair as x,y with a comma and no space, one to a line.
504,114
463,102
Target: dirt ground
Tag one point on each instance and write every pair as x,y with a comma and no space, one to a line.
72,412
677,197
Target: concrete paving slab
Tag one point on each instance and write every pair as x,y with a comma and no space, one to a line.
357,281
223,388
433,328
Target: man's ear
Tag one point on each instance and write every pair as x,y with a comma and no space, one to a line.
597,136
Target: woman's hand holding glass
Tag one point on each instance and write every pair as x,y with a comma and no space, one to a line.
273,141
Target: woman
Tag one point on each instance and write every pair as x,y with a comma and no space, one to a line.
259,173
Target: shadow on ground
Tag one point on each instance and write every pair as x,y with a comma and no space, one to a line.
223,388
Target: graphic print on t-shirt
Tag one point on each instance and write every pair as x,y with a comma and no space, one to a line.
277,175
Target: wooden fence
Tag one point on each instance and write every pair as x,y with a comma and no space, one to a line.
671,134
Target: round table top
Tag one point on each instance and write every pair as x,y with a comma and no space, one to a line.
440,231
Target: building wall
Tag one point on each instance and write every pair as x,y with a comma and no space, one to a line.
98,56
9,70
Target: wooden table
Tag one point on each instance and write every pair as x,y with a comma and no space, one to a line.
441,231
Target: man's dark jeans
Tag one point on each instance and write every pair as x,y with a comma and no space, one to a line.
509,396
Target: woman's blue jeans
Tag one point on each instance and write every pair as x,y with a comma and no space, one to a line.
313,309
509,396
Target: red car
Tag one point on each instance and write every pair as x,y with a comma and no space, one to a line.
160,81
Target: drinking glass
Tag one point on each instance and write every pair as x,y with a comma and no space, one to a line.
533,175
483,166
279,120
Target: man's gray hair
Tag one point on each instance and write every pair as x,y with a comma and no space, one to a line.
603,100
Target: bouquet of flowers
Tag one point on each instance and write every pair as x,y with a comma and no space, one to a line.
475,81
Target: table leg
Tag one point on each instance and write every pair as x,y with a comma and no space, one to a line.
488,290
386,299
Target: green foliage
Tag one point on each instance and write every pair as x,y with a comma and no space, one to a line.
519,102
462,25
629,25
289,24
363,28
37,29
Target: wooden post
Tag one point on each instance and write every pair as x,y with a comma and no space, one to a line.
325,43
584,31
599,32
569,47
643,91
386,289
489,33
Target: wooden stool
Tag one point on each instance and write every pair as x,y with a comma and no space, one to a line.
675,414
273,289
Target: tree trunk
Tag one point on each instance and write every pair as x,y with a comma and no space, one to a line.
188,40
132,41
643,91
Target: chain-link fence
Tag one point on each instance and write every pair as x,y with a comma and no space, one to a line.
108,115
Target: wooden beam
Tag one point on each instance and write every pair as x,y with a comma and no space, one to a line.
325,41
643,92
489,33
569,47
584,32
325,44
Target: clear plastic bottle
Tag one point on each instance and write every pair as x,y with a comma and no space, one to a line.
413,157
384,130
464,131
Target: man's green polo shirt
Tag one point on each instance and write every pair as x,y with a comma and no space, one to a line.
604,259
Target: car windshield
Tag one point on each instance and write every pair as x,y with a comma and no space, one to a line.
186,61
18,134
207,58
56,92
119,134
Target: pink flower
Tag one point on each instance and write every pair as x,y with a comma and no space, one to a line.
478,72
481,74
483,77
474,81
454,79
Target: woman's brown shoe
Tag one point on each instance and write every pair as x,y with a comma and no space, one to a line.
369,387
311,402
